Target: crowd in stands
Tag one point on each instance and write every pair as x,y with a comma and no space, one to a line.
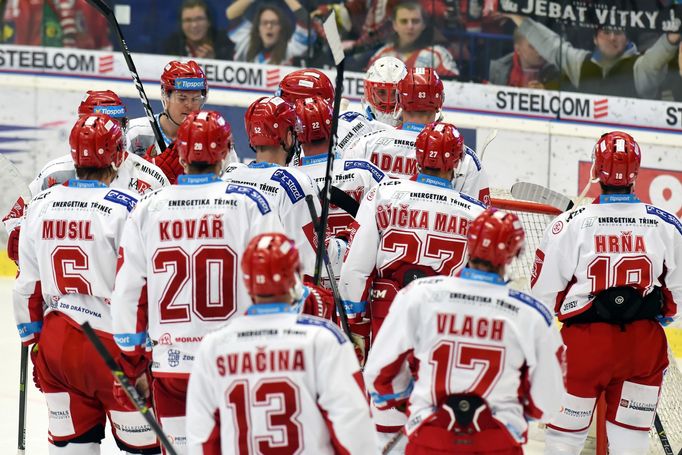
455,37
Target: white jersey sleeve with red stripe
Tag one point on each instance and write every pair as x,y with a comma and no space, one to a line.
179,270
608,244
69,244
285,189
278,379
468,335
402,223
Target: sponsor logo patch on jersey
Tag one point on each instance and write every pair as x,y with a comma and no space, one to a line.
377,174
123,199
475,201
252,194
531,302
557,227
290,185
665,216
349,116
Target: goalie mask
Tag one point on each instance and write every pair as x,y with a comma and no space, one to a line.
381,90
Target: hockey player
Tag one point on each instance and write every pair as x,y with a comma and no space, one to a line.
611,269
179,267
133,173
407,229
68,252
488,358
272,126
275,381
420,96
379,100
184,89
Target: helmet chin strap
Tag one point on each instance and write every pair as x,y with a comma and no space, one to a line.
589,183
168,116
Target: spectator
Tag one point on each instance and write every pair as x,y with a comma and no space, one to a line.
270,38
615,67
412,41
524,67
198,36
58,23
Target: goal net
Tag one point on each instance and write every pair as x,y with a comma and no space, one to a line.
535,217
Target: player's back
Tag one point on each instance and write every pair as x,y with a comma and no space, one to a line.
605,245
281,379
474,335
75,232
391,150
285,189
189,242
421,224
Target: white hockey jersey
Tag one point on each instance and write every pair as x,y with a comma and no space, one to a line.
353,177
617,241
134,175
140,136
353,126
285,189
405,222
469,335
180,267
394,152
68,253
278,380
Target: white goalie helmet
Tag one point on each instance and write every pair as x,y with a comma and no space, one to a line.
381,90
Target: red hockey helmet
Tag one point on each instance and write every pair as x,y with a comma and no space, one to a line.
315,115
103,102
96,141
203,137
420,90
270,264
616,159
183,76
439,146
269,119
496,237
306,83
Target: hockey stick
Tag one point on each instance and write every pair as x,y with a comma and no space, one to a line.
662,435
491,137
109,15
527,191
390,444
343,201
339,59
23,375
330,273
130,390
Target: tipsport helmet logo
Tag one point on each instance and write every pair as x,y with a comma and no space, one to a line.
190,83
111,111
